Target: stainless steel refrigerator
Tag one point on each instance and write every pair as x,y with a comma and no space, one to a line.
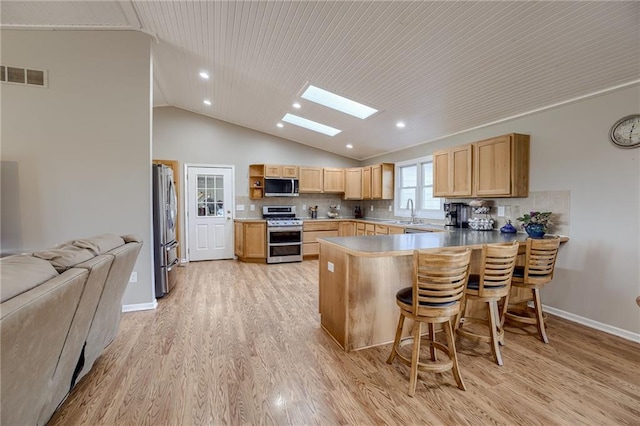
165,245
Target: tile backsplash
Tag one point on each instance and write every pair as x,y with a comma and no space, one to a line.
557,202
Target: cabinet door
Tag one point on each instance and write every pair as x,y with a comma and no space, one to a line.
381,230
460,163
493,167
382,181
360,229
238,239
366,183
396,230
255,240
310,180
441,186
290,171
369,229
333,180
353,184
271,170
347,229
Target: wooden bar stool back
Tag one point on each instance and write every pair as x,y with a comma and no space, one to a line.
491,286
439,279
540,261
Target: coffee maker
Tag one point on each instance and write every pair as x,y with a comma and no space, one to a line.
456,215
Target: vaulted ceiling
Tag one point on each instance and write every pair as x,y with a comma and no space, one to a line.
440,67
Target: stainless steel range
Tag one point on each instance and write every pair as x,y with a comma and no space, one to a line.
284,234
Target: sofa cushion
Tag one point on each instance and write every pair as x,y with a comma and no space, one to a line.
100,244
21,273
66,257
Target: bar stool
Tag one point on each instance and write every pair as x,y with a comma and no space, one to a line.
439,279
540,261
492,285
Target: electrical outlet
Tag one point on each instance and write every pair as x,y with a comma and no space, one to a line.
134,277
500,211
330,266
338,207
252,207
239,207
304,207
390,207
371,208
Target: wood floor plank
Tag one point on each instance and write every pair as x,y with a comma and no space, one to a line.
239,343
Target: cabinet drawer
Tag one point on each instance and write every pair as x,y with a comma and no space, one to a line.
382,230
320,226
311,236
309,249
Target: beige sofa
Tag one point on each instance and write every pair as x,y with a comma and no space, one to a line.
60,308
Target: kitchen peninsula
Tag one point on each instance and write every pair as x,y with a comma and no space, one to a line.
359,278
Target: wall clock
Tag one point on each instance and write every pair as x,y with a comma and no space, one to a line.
626,131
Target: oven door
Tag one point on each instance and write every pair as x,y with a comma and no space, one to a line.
284,235
284,244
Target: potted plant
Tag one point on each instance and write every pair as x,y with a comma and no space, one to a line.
536,223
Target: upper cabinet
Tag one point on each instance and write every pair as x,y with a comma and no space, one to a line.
501,166
370,182
311,180
333,180
496,167
353,183
276,171
452,171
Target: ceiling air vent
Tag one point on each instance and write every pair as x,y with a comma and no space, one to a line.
17,75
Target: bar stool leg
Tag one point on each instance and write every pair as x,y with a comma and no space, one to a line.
396,341
537,303
432,338
503,315
493,327
453,355
415,358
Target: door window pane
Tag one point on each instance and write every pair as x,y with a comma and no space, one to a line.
210,195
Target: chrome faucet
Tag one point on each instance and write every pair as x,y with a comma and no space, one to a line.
413,213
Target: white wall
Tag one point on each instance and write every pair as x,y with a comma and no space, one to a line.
598,270
82,146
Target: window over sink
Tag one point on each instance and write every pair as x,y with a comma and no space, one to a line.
414,180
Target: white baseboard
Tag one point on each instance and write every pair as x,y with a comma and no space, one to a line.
140,306
634,337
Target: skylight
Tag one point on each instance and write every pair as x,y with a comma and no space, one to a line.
311,125
337,102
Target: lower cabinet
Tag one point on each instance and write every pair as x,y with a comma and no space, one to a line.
311,231
347,229
251,240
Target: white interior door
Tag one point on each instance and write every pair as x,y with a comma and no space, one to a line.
209,217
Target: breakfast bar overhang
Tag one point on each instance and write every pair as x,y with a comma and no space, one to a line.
360,276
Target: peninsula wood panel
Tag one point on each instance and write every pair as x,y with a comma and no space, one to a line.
332,295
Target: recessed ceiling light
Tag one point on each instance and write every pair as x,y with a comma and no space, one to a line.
400,125
337,102
280,125
207,102
204,75
311,125
296,105
349,146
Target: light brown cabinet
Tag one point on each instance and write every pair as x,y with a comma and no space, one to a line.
496,167
256,181
278,171
452,171
501,166
360,229
250,244
311,180
347,229
311,231
333,180
370,182
353,183
382,176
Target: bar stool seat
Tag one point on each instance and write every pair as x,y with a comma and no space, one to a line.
434,298
491,286
540,261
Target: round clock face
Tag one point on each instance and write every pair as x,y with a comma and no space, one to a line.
626,131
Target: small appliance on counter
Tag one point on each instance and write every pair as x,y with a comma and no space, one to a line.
313,212
456,215
357,212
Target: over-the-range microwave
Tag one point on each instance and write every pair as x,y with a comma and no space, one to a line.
280,187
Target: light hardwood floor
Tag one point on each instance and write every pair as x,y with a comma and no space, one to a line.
240,343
